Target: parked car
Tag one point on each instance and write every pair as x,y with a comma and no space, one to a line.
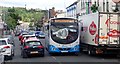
24,37
20,36
10,38
6,44
32,46
39,34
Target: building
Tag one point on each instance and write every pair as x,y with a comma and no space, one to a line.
84,6
52,13
60,13
72,10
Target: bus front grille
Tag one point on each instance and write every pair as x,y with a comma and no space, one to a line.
64,48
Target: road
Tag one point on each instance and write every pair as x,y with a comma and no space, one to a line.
60,58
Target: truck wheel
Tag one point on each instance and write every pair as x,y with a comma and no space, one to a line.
89,52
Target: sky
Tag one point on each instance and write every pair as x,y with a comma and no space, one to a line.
42,4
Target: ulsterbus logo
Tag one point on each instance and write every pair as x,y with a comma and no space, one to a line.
111,22
92,28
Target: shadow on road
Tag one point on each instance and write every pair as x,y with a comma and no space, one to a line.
105,56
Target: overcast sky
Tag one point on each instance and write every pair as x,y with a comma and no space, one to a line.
42,4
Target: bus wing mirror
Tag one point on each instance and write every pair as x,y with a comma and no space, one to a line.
47,26
81,28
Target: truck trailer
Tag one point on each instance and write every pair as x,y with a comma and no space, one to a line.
100,33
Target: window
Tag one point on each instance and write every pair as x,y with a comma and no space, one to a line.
2,42
33,43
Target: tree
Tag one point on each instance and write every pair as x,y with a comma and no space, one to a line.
12,15
11,22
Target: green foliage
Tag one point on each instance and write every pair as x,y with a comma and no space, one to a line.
30,25
12,15
11,18
94,8
11,23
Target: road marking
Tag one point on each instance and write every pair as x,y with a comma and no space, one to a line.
54,57
56,60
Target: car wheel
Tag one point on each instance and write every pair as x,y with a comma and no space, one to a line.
24,55
42,55
13,54
10,57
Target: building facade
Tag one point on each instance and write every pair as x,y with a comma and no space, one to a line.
60,14
84,6
72,10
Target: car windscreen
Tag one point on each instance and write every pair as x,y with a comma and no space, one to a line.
41,33
33,43
31,33
29,37
2,42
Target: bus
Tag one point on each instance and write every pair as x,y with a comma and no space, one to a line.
63,36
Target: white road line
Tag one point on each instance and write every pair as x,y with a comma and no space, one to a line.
56,60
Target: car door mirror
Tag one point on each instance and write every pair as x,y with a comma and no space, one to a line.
12,43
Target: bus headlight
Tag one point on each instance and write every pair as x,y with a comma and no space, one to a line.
53,49
75,49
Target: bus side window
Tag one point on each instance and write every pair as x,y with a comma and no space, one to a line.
81,28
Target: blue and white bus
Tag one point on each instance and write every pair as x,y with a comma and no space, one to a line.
63,36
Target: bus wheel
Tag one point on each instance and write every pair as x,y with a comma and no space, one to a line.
76,54
50,54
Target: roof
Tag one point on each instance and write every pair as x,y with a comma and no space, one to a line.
28,35
3,38
75,3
